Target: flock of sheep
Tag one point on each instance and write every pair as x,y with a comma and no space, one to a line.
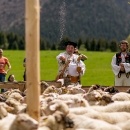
67,108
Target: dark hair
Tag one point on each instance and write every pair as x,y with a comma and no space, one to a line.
9,77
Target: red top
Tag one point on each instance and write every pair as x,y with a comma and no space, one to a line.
3,62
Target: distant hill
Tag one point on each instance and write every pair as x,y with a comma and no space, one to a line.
73,18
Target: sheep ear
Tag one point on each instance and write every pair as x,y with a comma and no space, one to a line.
53,107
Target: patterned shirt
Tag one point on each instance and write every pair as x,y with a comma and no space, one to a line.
71,69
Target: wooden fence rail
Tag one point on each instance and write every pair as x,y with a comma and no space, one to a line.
22,85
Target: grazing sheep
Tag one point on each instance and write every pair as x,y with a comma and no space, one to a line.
122,96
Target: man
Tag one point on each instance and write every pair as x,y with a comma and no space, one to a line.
71,64
3,72
121,65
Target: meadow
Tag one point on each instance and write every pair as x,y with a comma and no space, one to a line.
98,66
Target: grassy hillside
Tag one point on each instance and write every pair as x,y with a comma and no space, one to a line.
98,66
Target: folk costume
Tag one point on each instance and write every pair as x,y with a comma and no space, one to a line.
121,78
71,76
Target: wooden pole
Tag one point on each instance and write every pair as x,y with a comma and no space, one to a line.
32,38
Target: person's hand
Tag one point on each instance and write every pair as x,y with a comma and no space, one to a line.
79,69
122,67
5,73
76,51
62,59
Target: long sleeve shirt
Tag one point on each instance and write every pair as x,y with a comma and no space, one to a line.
116,68
71,68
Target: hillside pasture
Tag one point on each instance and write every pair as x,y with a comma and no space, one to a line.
98,66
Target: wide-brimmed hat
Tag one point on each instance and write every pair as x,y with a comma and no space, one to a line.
71,43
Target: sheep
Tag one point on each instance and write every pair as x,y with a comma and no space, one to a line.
18,122
122,96
93,87
16,105
76,90
66,97
3,112
44,128
93,97
50,89
112,118
2,98
59,121
7,107
82,121
114,107
44,86
124,125
128,90
54,106
105,100
111,90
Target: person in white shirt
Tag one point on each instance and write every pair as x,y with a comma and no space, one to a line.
75,67
121,65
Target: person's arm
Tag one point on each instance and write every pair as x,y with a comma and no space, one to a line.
126,67
83,57
9,67
81,68
115,67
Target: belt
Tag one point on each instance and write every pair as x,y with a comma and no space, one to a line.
127,74
74,79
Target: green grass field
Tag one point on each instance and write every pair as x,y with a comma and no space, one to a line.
98,66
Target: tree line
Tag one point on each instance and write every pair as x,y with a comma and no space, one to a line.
11,41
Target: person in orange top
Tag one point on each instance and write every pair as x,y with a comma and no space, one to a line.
3,62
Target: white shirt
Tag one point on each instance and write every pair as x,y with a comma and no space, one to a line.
116,68
71,69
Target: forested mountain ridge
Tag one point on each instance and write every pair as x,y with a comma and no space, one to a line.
75,19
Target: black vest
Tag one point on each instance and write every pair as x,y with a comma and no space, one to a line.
119,59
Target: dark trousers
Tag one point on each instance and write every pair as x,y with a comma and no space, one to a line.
2,79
